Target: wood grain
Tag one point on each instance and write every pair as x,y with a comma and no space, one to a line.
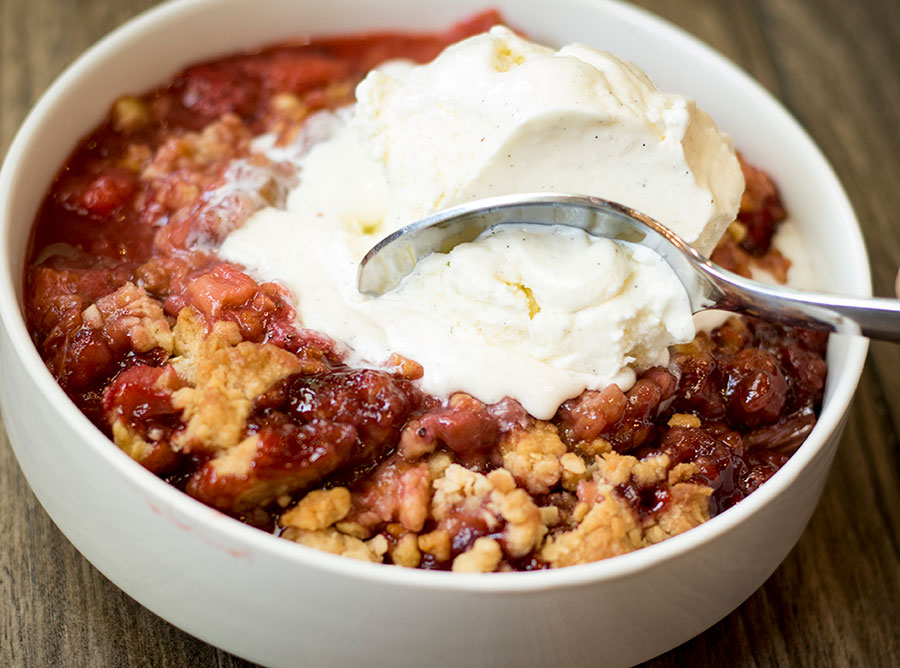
835,601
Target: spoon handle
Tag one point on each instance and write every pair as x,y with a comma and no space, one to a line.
866,316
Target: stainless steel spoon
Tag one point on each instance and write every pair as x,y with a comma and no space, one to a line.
708,285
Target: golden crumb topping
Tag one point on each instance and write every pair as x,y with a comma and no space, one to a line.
533,456
688,508
436,543
226,376
406,551
609,528
483,557
318,510
684,420
459,488
331,540
129,440
606,523
238,460
493,499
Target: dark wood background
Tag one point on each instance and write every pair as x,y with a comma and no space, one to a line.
835,601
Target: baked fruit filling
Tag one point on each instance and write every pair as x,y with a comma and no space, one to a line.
203,375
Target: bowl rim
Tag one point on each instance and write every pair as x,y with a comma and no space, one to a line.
257,541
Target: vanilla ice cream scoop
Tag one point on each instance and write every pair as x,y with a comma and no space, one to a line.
537,314
496,114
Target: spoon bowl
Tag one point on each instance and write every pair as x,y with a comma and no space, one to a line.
708,286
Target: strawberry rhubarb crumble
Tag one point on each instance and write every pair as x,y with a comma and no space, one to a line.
208,375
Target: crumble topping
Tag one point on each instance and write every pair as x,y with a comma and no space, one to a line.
336,542
130,313
184,166
406,551
237,460
689,508
436,543
495,500
130,441
318,510
483,557
533,456
684,420
574,470
607,525
226,374
459,487
607,529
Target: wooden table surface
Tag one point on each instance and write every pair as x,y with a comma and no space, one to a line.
835,601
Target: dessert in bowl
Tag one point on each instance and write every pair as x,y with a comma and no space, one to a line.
169,509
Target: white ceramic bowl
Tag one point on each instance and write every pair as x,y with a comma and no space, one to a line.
282,604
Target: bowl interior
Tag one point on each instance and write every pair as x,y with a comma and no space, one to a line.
193,30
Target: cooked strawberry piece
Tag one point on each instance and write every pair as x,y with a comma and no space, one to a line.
277,460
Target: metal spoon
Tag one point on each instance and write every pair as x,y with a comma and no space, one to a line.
708,285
